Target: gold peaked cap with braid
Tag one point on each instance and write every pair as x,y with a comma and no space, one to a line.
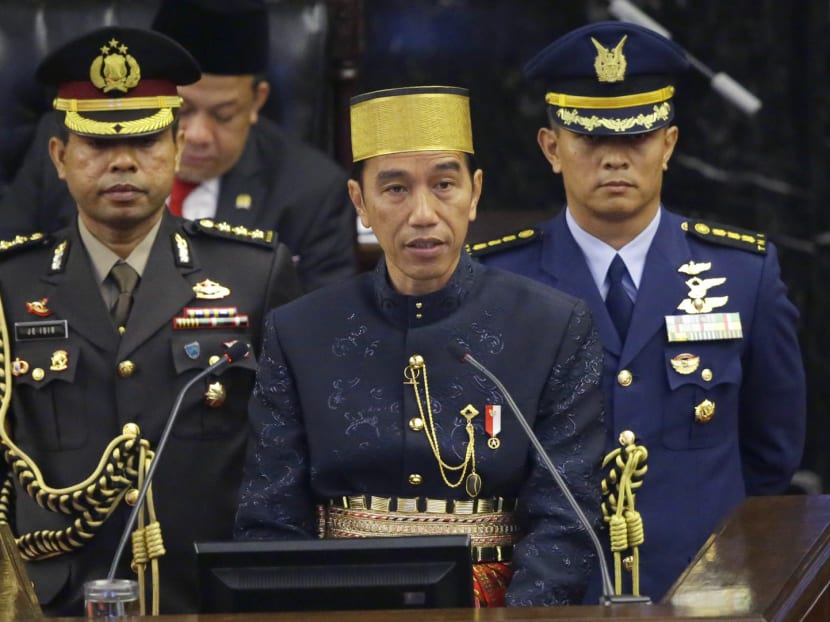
419,118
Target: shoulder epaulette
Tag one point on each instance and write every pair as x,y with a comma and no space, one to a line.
727,236
20,242
511,240
228,231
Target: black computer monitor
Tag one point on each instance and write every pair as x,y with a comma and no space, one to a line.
335,574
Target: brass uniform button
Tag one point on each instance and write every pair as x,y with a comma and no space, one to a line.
628,563
416,424
624,378
706,374
131,497
126,369
415,479
214,359
38,374
704,412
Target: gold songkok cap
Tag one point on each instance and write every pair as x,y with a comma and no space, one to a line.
418,118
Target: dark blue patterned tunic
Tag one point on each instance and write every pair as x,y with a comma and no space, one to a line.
330,411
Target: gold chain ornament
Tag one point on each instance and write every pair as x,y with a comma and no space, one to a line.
472,482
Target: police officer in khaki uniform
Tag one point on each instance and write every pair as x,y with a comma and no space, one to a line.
108,320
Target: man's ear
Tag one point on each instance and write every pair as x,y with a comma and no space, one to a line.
356,195
179,140
478,184
548,141
261,92
57,152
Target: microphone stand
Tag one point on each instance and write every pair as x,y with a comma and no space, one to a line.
233,354
608,597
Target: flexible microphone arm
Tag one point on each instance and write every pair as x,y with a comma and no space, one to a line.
722,83
236,352
608,596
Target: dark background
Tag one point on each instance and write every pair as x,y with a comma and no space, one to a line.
768,172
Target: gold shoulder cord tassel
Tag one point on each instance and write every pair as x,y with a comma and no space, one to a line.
90,502
472,482
625,523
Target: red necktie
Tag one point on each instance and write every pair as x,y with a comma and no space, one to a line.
178,194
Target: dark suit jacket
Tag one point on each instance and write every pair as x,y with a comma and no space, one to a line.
65,420
697,473
295,190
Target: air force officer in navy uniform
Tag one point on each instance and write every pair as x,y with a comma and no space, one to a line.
110,318
702,362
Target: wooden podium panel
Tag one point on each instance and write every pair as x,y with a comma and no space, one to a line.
769,558
769,562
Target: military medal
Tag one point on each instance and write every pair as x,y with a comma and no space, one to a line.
19,367
704,411
60,360
685,363
39,308
492,423
237,321
210,290
210,317
704,327
215,394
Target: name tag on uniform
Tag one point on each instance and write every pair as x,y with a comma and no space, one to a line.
704,327
51,329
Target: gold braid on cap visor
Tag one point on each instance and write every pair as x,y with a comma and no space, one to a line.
411,122
569,114
153,123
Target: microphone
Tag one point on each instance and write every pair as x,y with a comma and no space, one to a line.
722,83
236,352
608,597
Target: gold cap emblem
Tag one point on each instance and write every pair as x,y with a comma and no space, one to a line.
610,64
114,69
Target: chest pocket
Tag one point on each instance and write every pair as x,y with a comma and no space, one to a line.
702,406
44,385
216,405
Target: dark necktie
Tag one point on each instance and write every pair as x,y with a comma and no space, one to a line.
181,190
126,278
617,301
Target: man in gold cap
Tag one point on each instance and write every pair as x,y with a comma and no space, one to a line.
702,362
369,414
109,319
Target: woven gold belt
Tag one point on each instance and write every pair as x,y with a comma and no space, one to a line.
489,522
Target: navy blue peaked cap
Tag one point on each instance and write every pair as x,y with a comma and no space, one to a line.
610,78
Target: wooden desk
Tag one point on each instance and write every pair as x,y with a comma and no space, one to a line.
770,561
